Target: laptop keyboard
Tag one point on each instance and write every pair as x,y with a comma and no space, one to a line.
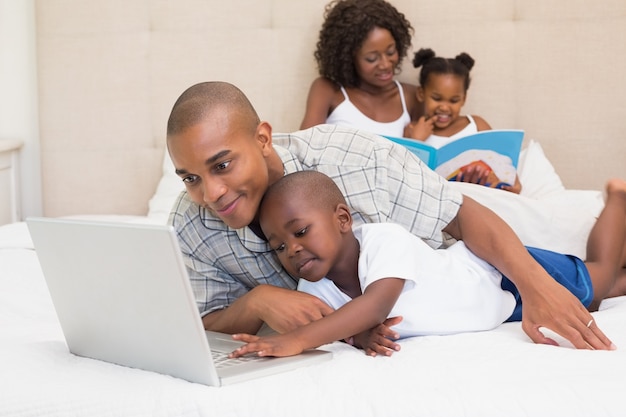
221,359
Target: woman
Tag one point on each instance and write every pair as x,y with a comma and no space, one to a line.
360,48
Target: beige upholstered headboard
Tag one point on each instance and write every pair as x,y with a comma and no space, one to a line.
110,70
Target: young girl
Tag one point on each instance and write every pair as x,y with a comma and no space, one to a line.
442,91
360,48
381,272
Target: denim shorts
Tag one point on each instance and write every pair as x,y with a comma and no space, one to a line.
567,270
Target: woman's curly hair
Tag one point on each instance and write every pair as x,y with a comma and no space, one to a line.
346,26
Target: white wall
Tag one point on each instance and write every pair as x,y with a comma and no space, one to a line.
18,96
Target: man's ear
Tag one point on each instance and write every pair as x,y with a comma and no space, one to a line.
342,212
264,136
419,93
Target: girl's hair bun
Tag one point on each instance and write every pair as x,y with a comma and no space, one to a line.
422,56
466,60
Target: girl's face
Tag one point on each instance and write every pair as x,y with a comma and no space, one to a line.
443,97
376,60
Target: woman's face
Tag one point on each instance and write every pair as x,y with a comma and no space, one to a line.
376,60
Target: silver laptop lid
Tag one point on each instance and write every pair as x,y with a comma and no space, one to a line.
122,295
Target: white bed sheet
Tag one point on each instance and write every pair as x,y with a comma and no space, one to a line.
495,373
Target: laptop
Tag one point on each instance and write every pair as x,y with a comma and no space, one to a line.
122,295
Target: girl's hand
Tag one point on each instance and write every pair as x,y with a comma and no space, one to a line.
475,174
517,188
421,129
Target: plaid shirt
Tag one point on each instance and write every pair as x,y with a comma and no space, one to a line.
382,182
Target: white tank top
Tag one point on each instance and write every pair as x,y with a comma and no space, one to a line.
439,141
347,114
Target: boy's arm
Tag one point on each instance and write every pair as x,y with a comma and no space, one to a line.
546,302
359,314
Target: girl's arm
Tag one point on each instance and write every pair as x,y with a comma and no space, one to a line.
481,124
359,314
318,103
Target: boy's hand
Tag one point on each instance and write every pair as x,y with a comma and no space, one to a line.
380,339
275,345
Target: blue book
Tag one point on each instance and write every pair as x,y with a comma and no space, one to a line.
497,150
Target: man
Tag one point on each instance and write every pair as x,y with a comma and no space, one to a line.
227,158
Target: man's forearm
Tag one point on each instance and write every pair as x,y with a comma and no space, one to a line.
239,317
492,239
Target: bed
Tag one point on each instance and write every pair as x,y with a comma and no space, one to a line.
494,373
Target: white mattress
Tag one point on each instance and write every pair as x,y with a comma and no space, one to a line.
495,373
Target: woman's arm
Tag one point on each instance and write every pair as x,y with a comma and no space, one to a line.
319,102
413,106
359,314
546,303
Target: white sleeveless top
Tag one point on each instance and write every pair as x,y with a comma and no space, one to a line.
347,114
439,141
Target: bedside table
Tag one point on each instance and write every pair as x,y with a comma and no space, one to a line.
9,181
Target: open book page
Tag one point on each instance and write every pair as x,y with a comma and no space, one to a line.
498,150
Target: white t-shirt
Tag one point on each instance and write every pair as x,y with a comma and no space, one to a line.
446,290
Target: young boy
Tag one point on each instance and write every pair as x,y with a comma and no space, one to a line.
381,270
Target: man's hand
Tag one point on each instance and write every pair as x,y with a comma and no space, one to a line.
281,309
285,310
380,339
555,308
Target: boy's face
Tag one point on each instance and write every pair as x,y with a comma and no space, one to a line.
443,97
306,238
223,167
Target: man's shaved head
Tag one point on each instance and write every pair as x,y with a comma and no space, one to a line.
198,102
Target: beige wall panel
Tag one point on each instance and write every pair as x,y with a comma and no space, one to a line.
111,70
570,81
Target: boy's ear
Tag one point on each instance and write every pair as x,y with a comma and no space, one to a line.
420,94
342,212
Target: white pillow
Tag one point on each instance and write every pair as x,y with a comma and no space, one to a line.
536,173
169,187
559,221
